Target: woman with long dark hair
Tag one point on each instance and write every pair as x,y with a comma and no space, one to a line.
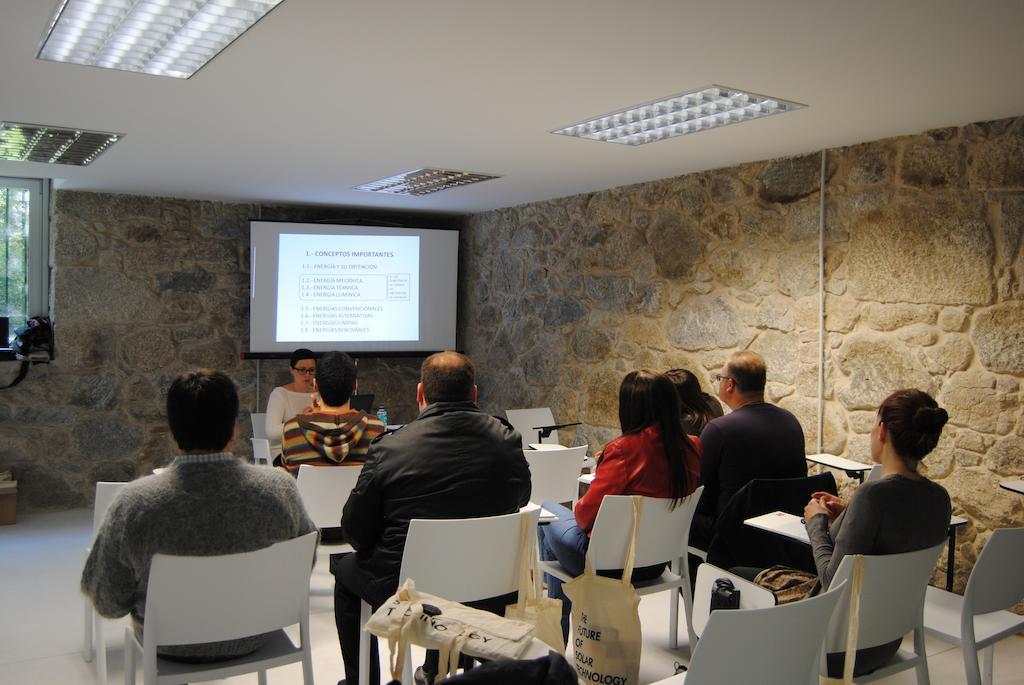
652,457
696,407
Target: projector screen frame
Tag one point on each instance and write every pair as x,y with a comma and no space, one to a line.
368,224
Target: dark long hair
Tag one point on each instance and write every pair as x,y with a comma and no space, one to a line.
694,411
648,398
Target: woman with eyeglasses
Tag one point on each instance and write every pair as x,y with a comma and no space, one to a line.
290,400
653,457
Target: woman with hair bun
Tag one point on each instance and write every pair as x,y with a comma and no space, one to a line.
902,511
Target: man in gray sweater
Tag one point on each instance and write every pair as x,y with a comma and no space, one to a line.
207,503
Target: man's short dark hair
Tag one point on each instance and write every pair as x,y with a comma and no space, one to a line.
448,377
748,370
335,378
202,407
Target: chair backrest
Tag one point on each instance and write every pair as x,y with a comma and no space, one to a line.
261,451
736,544
663,535
324,491
259,425
997,581
891,598
465,560
105,493
554,474
774,645
526,420
211,598
752,595
874,474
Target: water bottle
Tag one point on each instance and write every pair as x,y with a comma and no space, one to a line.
382,414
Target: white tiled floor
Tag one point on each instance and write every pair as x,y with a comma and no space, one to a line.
41,619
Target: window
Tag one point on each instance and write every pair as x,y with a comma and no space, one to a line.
24,250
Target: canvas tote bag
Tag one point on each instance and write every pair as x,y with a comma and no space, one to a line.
402,621
852,627
544,613
605,622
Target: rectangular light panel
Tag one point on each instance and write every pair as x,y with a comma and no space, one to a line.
678,115
53,145
424,181
163,37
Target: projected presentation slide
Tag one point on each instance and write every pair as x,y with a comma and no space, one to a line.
348,287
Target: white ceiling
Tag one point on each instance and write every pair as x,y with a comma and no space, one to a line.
323,95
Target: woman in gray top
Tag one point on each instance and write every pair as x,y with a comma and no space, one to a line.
902,511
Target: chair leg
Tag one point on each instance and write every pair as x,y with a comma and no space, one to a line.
673,620
100,642
972,669
364,644
261,677
990,657
307,653
129,657
87,648
922,664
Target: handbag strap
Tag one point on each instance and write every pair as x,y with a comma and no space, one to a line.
852,626
399,640
529,578
627,569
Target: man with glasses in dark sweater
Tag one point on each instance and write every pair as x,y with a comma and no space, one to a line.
755,440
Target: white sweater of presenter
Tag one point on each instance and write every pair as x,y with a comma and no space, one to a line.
282,406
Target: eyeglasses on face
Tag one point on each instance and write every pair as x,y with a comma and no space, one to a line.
717,377
308,370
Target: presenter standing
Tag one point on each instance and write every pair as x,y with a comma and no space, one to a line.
288,401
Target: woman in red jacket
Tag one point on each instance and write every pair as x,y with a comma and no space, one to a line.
652,457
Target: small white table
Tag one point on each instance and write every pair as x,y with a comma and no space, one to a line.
854,469
545,515
792,527
1013,486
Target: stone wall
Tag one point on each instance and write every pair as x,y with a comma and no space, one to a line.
145,288
924,269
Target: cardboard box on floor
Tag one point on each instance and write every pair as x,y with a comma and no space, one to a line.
8,496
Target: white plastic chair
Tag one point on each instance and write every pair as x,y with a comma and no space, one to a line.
554,474
94,645
526,421
774,645
464,560
324,491
207,599
977,620
752,595
259,426
891,605
663,536
261,451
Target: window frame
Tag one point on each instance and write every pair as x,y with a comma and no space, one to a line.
37,251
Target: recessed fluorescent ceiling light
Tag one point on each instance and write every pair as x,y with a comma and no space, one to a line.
424,181
162,37
53,145
677,115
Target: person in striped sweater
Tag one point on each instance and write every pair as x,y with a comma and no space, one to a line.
333,433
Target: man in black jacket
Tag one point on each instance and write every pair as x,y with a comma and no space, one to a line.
453,461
